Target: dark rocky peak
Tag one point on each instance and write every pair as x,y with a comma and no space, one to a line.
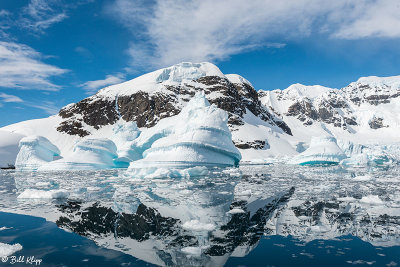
160,94
373,90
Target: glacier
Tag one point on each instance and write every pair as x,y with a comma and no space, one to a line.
34,152
89,153
198,135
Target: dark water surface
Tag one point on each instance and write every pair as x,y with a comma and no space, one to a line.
276,215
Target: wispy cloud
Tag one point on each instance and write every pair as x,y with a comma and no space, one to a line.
21,67
92,86
39,15
165,32
10,98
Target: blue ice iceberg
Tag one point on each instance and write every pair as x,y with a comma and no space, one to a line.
323,150
88,154
34,152
363,155
124,134
197,136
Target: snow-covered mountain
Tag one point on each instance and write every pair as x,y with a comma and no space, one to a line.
264,124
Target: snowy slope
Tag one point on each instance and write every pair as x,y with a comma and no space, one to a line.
265,125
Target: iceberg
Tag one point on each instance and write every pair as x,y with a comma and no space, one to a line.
88,154
124,133
34,152
362,155
197,136
322,150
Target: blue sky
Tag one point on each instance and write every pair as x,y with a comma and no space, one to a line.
54,52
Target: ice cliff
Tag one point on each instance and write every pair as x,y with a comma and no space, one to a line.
34,152
89,153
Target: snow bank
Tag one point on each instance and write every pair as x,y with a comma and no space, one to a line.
322,150
198,135
8,250
88,154
8,148
42,194
34,152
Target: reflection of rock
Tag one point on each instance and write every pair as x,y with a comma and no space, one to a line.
310,220
167,240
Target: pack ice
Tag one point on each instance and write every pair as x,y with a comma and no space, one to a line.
34,152
198,135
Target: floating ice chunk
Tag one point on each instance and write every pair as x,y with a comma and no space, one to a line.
198,136
196,225
155,172
362,178
372,200
196,251
8,250
322,150
42,194
34,152
236,211
88,154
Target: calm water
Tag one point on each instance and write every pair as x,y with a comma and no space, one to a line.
275,215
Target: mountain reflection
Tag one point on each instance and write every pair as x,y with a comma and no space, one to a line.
202,221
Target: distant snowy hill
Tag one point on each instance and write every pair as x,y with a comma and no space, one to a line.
264,124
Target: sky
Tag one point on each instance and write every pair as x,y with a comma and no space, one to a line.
56,52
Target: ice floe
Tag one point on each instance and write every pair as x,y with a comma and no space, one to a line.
43,194
8,250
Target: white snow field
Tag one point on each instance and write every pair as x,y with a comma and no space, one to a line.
8,148
198,135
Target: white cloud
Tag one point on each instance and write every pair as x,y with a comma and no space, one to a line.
93,86
165,32
372,19
39,15
21,67
10,98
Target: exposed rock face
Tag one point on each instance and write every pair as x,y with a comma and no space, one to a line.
257,144
376,123
310,104
147,109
